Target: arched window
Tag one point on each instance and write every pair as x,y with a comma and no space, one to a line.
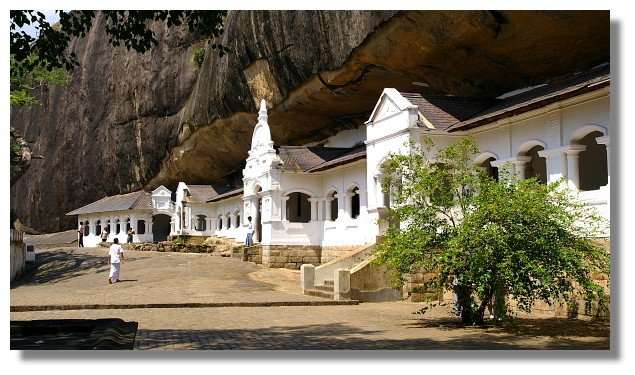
220,222
298,208
355,203
237,221
229,220
201,223
86,228
537,166
489,169
128,225
98,228
117,226
141,227
593,163
334,206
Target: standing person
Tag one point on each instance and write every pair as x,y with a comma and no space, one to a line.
115,258
250,233
80,233
104,235
130,234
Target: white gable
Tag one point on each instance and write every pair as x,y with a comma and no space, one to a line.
390,103
161,191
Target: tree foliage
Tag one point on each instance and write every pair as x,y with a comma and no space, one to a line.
29,75
517,239
124,27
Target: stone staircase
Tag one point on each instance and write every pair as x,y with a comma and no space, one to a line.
350,277
325,290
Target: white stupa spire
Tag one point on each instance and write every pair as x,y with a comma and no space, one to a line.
262,114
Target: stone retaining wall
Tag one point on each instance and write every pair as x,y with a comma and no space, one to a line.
418,287
330,253
166,247
290,256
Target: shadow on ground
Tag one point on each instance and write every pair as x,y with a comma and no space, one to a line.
338,336
525,327
56,266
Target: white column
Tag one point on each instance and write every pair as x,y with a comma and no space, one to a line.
556,163
519,165
314,202
328,201
379,194
283,208
341,204
573,165
606,140
504,165
363,200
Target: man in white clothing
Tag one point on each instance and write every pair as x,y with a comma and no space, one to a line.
115,258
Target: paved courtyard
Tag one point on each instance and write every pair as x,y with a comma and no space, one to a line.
258,308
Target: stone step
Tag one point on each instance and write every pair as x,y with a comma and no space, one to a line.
319,293
326,288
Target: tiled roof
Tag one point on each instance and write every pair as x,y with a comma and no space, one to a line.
58,238
203,193
352,155
138,200
560,89
445,111
303,158
227,194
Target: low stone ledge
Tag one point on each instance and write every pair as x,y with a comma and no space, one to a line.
26,308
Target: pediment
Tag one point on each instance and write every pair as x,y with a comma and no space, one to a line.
390,103
161,191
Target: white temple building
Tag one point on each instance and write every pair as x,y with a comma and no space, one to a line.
321,198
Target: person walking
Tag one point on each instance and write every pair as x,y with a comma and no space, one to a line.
115,258
130,235
80,234
250,233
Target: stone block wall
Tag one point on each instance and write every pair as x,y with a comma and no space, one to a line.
330,253
253,254
290,256
418,286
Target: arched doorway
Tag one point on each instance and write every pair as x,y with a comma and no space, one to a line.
593,164
298,208
258,219
160,227
537,165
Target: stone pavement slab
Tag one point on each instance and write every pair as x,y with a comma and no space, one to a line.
79,276
367,326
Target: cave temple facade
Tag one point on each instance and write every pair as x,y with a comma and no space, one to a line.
328,195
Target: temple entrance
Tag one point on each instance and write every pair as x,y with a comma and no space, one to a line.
258,218
160,227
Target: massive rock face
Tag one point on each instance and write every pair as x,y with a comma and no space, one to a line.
130,121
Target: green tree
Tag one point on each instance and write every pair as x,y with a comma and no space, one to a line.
517,239
30,75
124,27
